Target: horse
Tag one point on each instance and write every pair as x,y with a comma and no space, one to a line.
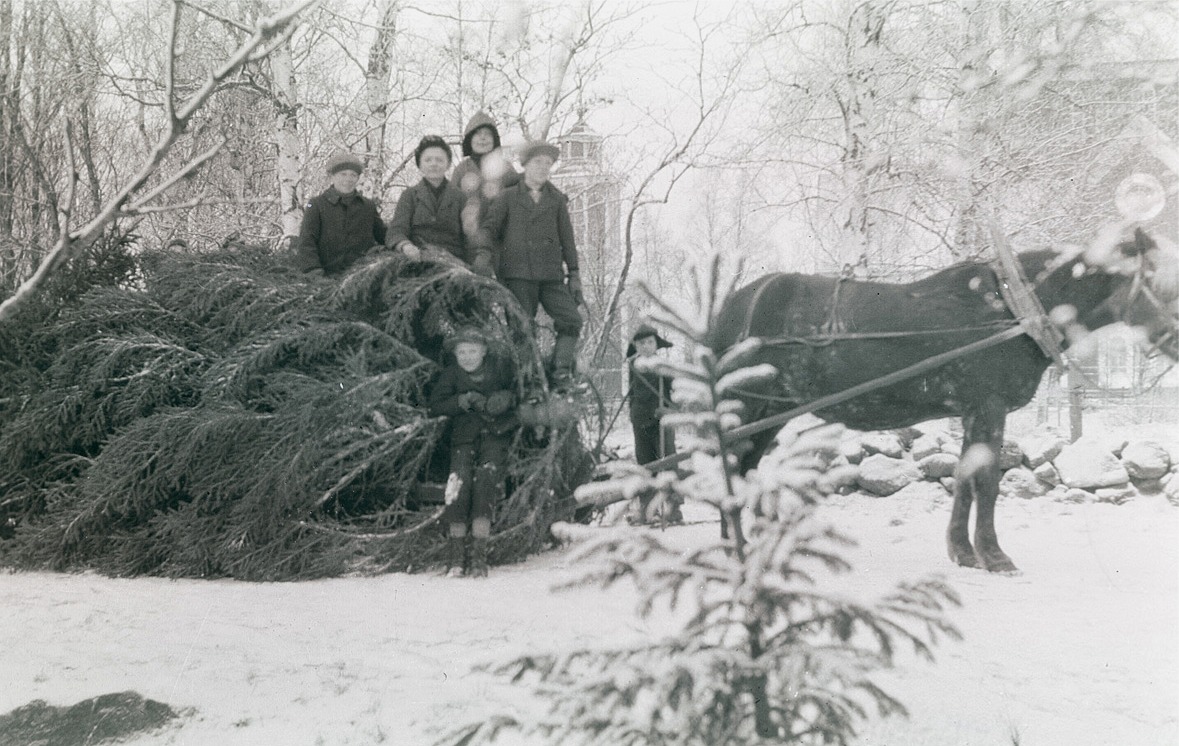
825,335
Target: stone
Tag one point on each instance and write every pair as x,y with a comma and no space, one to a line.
882,475
948,483
928,444
1021,482
850,448
1145,459
1115,495
1088,465
938,465
1041,447
1047,474
888,444
906,435
1076,495
1010,455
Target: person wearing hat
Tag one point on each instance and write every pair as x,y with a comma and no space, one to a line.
481,175
476,393
340,224
530,227
650,396
428,216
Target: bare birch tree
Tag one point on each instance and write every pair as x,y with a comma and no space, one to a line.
135,197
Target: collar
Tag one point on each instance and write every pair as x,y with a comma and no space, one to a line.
335,197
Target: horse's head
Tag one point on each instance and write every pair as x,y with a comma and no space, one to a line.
1149,300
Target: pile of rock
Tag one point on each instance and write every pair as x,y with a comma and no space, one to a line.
1042,463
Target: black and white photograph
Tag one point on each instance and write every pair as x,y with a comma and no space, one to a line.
589,372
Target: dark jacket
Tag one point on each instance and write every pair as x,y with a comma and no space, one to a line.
468,426
649,392
533,238
424,219
337,229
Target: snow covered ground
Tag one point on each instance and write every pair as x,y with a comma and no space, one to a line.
1082,647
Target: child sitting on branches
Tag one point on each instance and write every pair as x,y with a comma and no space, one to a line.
476,393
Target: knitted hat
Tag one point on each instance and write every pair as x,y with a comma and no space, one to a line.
465,334
642,332
481,119
341,160
431,141
533,149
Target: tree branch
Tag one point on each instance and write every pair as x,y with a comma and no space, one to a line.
71,243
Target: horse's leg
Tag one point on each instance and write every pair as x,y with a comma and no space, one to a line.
751,451
977,480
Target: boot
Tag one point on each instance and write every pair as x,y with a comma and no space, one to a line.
564,362
458,556
478,566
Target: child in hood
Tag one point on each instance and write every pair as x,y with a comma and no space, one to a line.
481,175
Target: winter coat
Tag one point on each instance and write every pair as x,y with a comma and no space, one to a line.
467,426
337,229
649,392
533,238
422,219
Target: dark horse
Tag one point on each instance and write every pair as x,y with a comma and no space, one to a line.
826,335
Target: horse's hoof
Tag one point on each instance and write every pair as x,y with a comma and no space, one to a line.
964,559
1000,564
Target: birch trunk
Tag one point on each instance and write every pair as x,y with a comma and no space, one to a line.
376,88
286,138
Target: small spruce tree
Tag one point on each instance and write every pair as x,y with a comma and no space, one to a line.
766,655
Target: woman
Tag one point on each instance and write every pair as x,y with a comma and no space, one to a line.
428,218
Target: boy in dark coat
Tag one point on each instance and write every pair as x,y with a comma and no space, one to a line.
476,393
530,225
428,218
339,225
650,398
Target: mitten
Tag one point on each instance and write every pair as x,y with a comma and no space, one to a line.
472,401
410,250
482,264
573,282
499,402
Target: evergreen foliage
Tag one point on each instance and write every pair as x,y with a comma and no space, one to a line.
767,654
226,416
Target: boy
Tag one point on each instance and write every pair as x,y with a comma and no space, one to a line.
530,224
476,394
650,396
339,225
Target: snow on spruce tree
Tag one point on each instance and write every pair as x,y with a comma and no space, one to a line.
767,655
220,415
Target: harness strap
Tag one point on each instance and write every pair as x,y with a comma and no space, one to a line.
778,420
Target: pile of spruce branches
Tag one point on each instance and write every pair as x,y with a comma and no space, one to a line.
210,415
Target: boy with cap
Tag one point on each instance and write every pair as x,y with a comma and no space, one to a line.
340,224
650,397
537,261
476,393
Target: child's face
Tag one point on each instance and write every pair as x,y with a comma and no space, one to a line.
482,141
536,171
345,180
646,346
469,355
434,163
